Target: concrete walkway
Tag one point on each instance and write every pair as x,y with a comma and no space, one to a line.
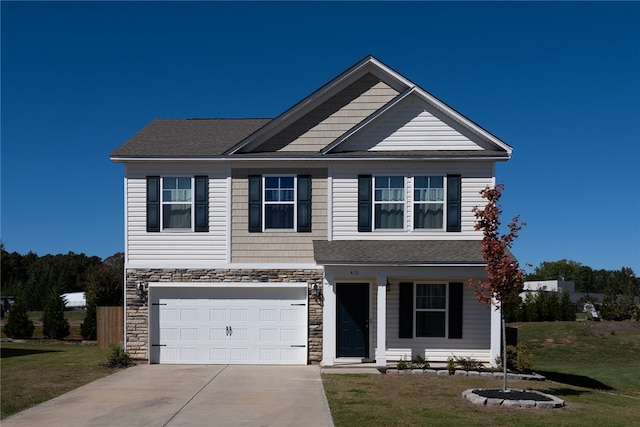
186,395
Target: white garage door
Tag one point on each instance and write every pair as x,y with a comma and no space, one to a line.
240,325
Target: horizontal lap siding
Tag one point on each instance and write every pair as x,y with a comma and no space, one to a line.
325,123
475,176
276,247
476,325
175,247
413,125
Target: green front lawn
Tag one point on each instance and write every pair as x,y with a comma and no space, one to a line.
34,372
593,366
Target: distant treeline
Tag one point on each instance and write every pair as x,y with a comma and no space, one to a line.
587,279
31,277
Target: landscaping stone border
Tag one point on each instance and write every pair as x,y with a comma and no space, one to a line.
464,373
550,401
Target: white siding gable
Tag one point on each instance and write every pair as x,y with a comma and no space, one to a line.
413,124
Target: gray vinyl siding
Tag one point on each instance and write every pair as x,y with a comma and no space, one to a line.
476,325
475,177
413,124
267,247
168,249
324,124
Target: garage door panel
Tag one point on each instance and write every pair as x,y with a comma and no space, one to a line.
238,315
242,326
218,315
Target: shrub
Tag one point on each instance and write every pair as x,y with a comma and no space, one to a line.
468,363
119,358
419,362
451,365
54,325
18,324
402,364
519,359
88,327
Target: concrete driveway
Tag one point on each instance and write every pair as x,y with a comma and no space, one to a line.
190,395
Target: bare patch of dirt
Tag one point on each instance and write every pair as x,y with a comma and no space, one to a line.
607,327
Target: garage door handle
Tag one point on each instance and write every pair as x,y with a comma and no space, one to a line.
158,345
299,304
293,345
229,330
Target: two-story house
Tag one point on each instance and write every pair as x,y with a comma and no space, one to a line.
341,230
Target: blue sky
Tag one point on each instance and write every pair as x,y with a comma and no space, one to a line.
560,82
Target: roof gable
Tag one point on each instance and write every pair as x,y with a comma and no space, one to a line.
412,123
370,107
331,119
328,92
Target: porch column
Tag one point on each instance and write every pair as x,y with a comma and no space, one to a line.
328,322
381,321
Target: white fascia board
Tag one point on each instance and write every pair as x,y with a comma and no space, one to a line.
314,159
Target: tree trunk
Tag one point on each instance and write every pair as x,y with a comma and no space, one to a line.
504,351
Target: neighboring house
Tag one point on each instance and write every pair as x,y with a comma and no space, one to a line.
75,300
341,230
559,286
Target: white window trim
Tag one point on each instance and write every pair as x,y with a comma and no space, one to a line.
439,310
404,202
192,203
408,205
294,203
411,191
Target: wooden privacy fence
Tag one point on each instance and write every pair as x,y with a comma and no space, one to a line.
109,325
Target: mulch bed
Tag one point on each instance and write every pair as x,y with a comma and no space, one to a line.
512,395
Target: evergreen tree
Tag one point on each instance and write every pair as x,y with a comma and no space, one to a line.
18,324
567,309
54,325
88,327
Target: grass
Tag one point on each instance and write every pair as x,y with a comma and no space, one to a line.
36,371
594,367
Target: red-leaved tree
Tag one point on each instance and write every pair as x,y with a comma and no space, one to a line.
504,276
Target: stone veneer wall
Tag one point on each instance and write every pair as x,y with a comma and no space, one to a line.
137,333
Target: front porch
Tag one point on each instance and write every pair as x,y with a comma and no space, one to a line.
381,324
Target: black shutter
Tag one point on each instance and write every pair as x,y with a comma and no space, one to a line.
255,204
364,203
405,329
304,203
455,310
153,203
454,203
202,203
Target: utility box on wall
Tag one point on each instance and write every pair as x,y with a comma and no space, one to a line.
110,325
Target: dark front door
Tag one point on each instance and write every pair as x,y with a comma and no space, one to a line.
353,319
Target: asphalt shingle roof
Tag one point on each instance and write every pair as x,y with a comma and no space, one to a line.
386,252
171,138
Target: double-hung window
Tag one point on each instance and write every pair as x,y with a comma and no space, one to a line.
428,202
279,202
389,202
431,309
177,203
436,203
